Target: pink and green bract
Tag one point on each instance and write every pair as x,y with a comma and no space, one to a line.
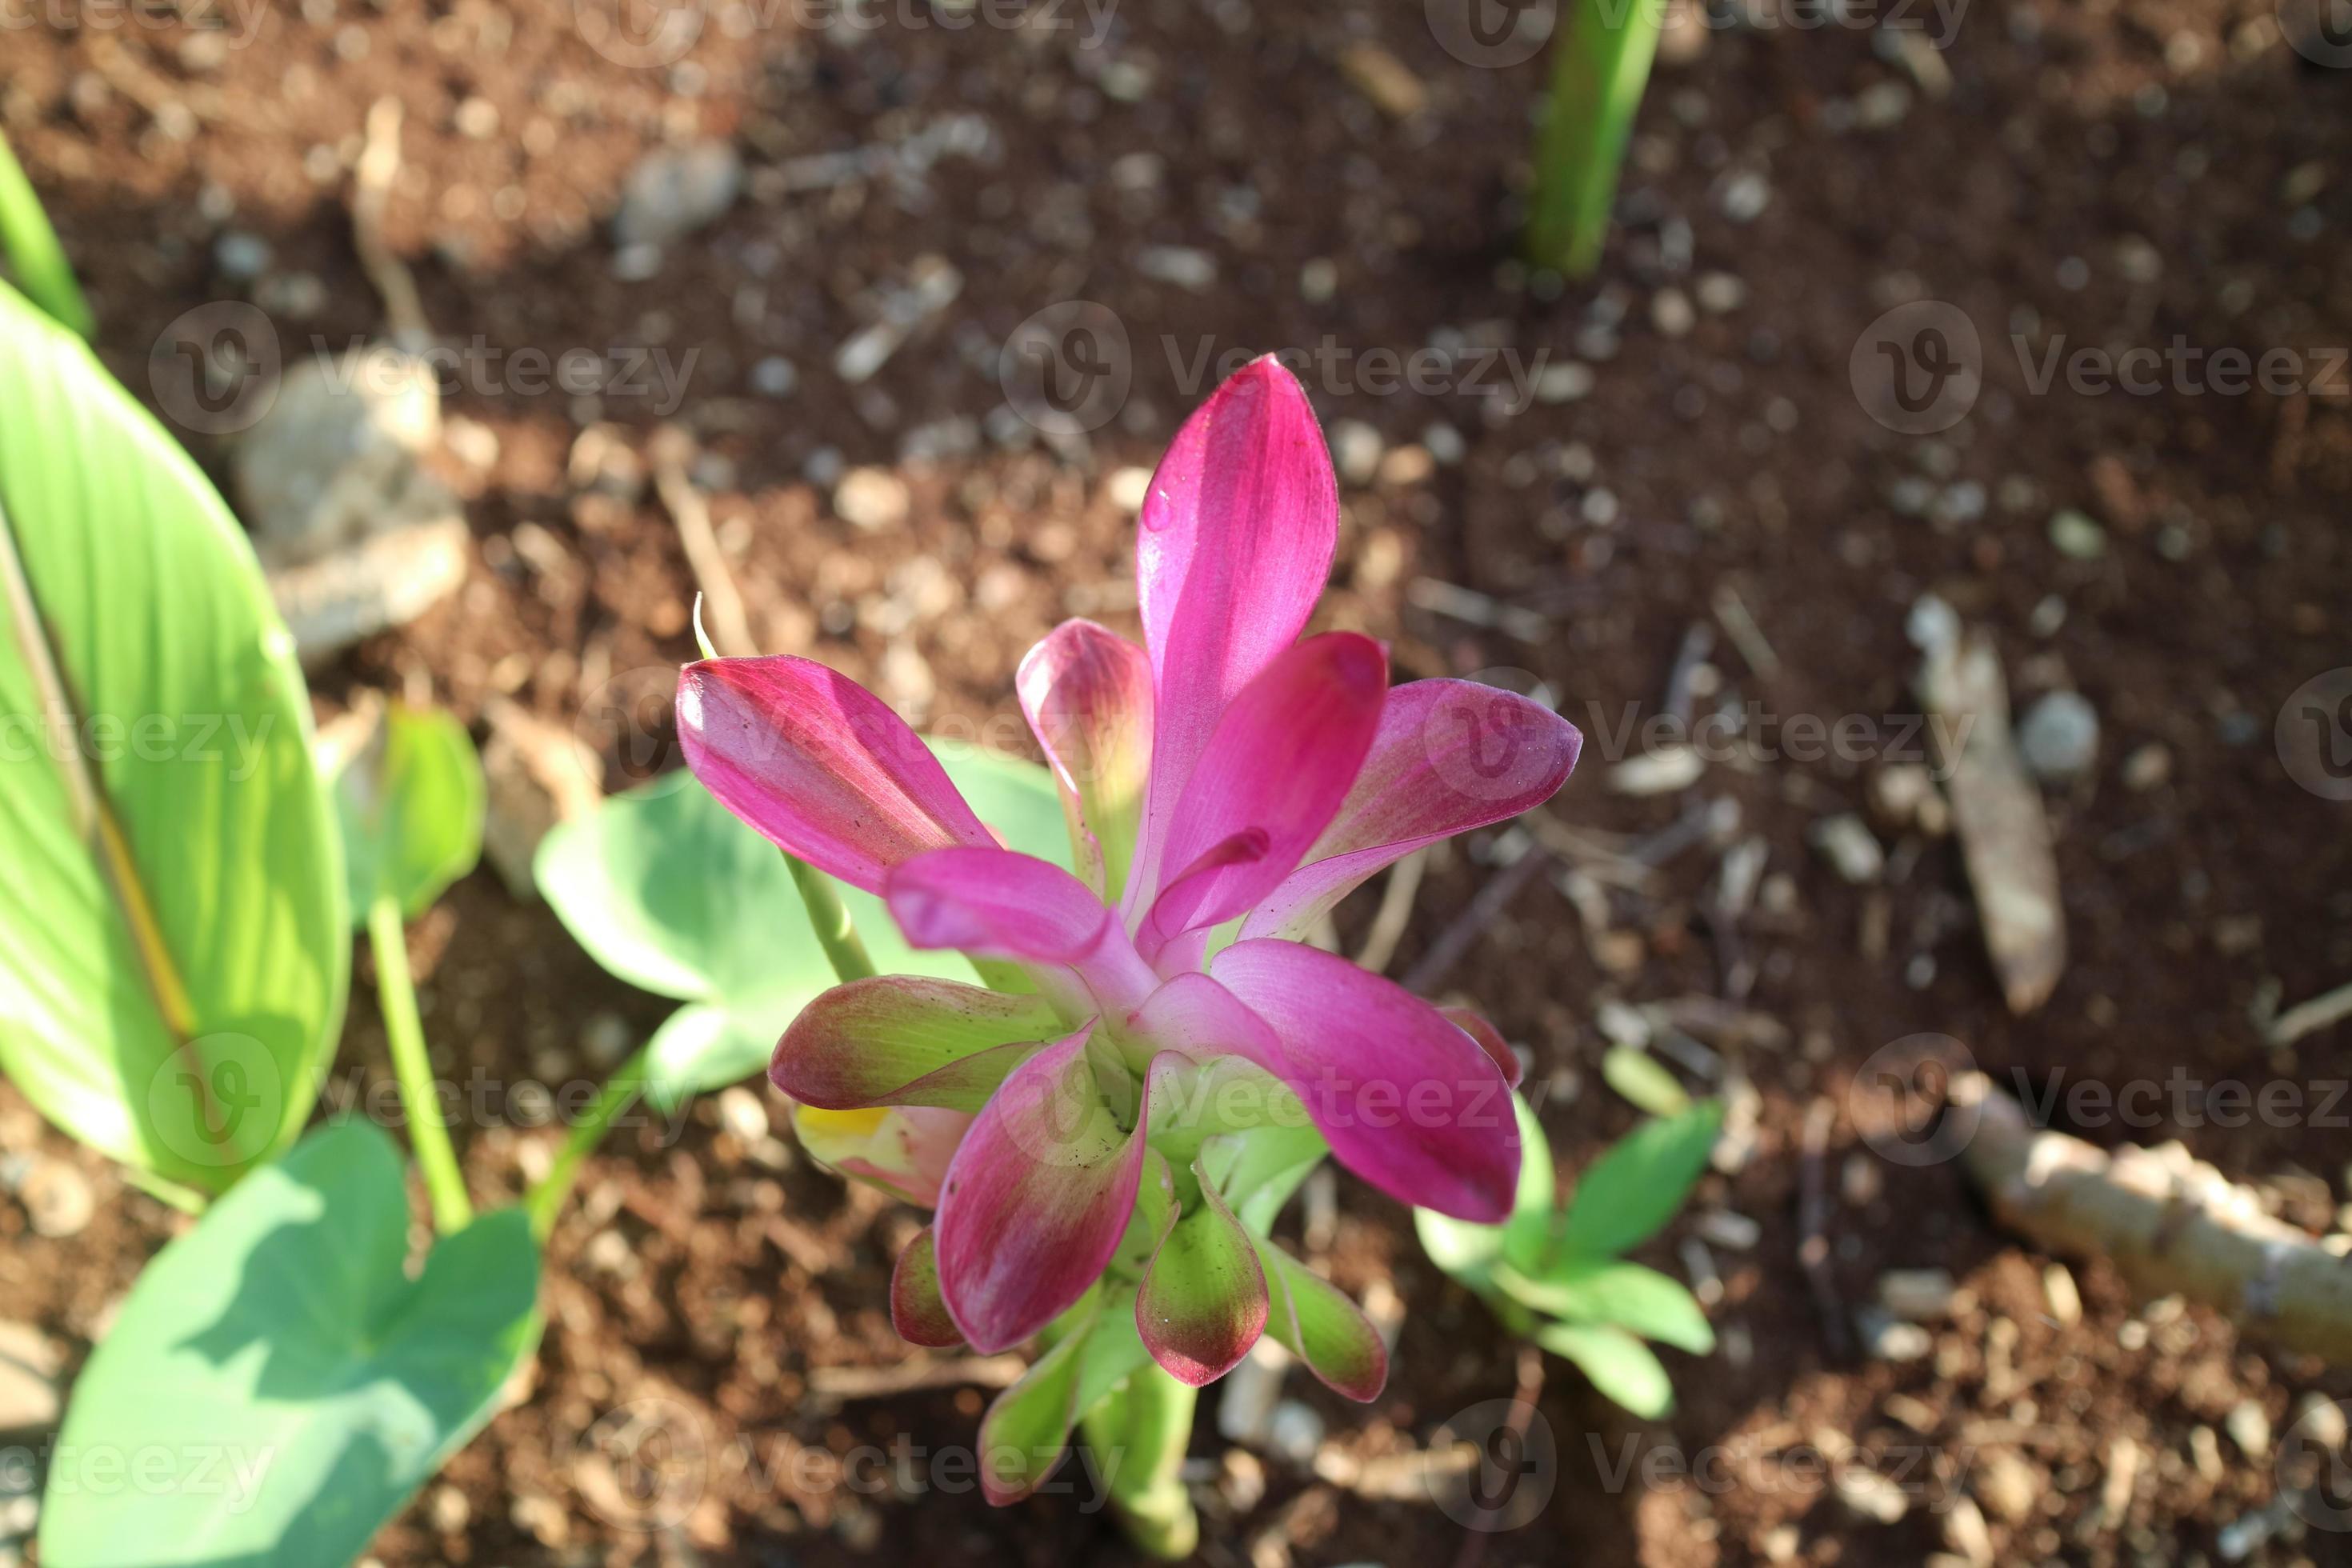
1160,1052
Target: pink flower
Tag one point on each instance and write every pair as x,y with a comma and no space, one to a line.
1181,1049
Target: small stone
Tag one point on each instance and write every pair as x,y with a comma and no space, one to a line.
1918,1294
1744,196
1847,842
1181,265
2250,1428
1356,449
1564,381
1720,293
2148,767
30,1401
2007,1485
2075,536
242,256
1241,1479
1965,1531
1904,795
2320,1422
1882,104
605,1039
1869,1495
2059,737
775,376
1663,771
335,458
1671,313
742,1114
373,587
1387,80
1406,466
1445,444
449,1511
1128,488
1318,280
2065,1301
674,191
57,1199
1295,1432
871,498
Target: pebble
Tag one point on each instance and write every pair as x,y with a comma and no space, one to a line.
1882,104
1920,1294
674,191
1128,488
1445,444
2320,1422
1661,772
1852,850
242,256
2065,1300
335,458
742,1114
58,1199
1871,1496
2250,1428
2059,737
1181,265
1744,196
1904,795
2075,536
1295,1432
871,498
1356,449
1564,383
1720,293
775,376
1318,280
381,582
2008,1485
1671,312
30,1401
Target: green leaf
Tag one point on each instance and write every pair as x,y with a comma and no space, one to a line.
298,1384
174,940
1643,1080
411,802
33,251
1632,1190
1470,1252
1588,1290
672,894
1620,1365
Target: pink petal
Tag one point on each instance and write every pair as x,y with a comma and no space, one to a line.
870,1042
1475,1024
1087,695
818,766
1317,1323
916,1310
997,903
1281,762
1235,545
1405,1099
1194,1015
1036,1200
1451,755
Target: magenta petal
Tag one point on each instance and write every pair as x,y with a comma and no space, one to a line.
1406,1099
1234,546
997,903
1194,1015
1474,1023
1451,755
1087,694
1280,762
1036,1200
818,766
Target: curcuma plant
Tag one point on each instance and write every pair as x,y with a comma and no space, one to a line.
1109,1123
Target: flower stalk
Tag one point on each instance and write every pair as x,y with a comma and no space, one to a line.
428,1133
1139,1435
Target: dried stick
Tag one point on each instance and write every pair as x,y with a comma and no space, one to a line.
2173,1223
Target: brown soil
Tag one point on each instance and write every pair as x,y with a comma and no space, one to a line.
2075,147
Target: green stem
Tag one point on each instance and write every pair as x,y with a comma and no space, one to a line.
836,931
546,1198
1600,65
1139,1435
32,248
427,1133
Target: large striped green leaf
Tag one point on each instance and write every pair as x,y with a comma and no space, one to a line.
174,938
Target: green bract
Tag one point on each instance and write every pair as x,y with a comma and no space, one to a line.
411,802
